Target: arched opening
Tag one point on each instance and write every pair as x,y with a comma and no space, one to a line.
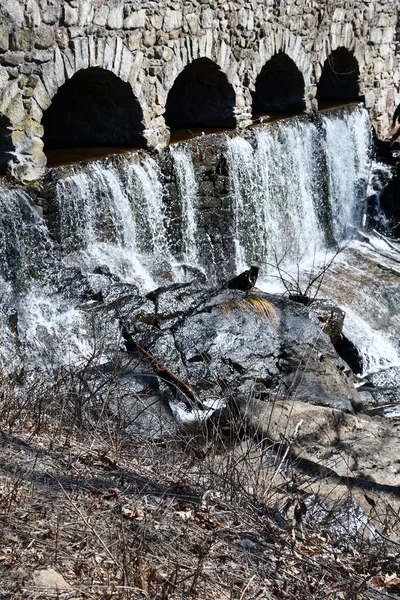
339,79
6,144
279,87
93,108
201,97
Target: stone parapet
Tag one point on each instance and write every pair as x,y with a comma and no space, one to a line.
147,44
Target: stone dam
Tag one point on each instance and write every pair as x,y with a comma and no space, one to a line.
127,73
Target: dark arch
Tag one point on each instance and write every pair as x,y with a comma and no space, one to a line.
279,87
201,97
93,108
6,144
340,76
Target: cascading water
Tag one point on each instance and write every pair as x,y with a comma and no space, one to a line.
188,194
24,238
348,150
103,217
291,190
298,177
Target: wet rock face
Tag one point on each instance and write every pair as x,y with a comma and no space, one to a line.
223,342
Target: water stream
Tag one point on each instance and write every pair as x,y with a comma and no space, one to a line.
294,190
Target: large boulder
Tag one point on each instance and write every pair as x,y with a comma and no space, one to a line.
226,341
357,449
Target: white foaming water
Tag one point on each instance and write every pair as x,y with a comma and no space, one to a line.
283,187
244,191
56,333
272,194
102,218
348,152
376,349
188,193
147,208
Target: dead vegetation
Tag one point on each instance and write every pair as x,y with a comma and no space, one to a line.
123,516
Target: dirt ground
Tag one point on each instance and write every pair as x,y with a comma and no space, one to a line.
90,513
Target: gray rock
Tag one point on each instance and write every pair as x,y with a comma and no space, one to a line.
260,343
4,39
357,449
135,20
21,40
44,37
49,578
115,18
70,16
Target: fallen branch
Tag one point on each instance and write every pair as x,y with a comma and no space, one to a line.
161,370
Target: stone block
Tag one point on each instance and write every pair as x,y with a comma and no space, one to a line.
49,79
137,65
85,12
376,35
109,53
172,20
117,55
164,53
21,39
162,38
42,56
156,21
12,105
383,20
33,16
3,77
12,59
14,11
51,15
136,20
193,23
388,35
126,64
207,16
44,37
101,16
115,18
13,72
70,16
175,34
134,40
379,65
4,39
149,38
59,68
36,112
339,15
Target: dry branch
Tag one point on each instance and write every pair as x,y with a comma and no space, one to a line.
161,370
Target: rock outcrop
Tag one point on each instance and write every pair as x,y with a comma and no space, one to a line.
225,342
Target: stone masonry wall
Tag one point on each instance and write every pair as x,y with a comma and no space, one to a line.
148,43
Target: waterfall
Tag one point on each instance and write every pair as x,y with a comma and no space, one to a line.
289,178
113,218
25,244
286,193
188,194
348,151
